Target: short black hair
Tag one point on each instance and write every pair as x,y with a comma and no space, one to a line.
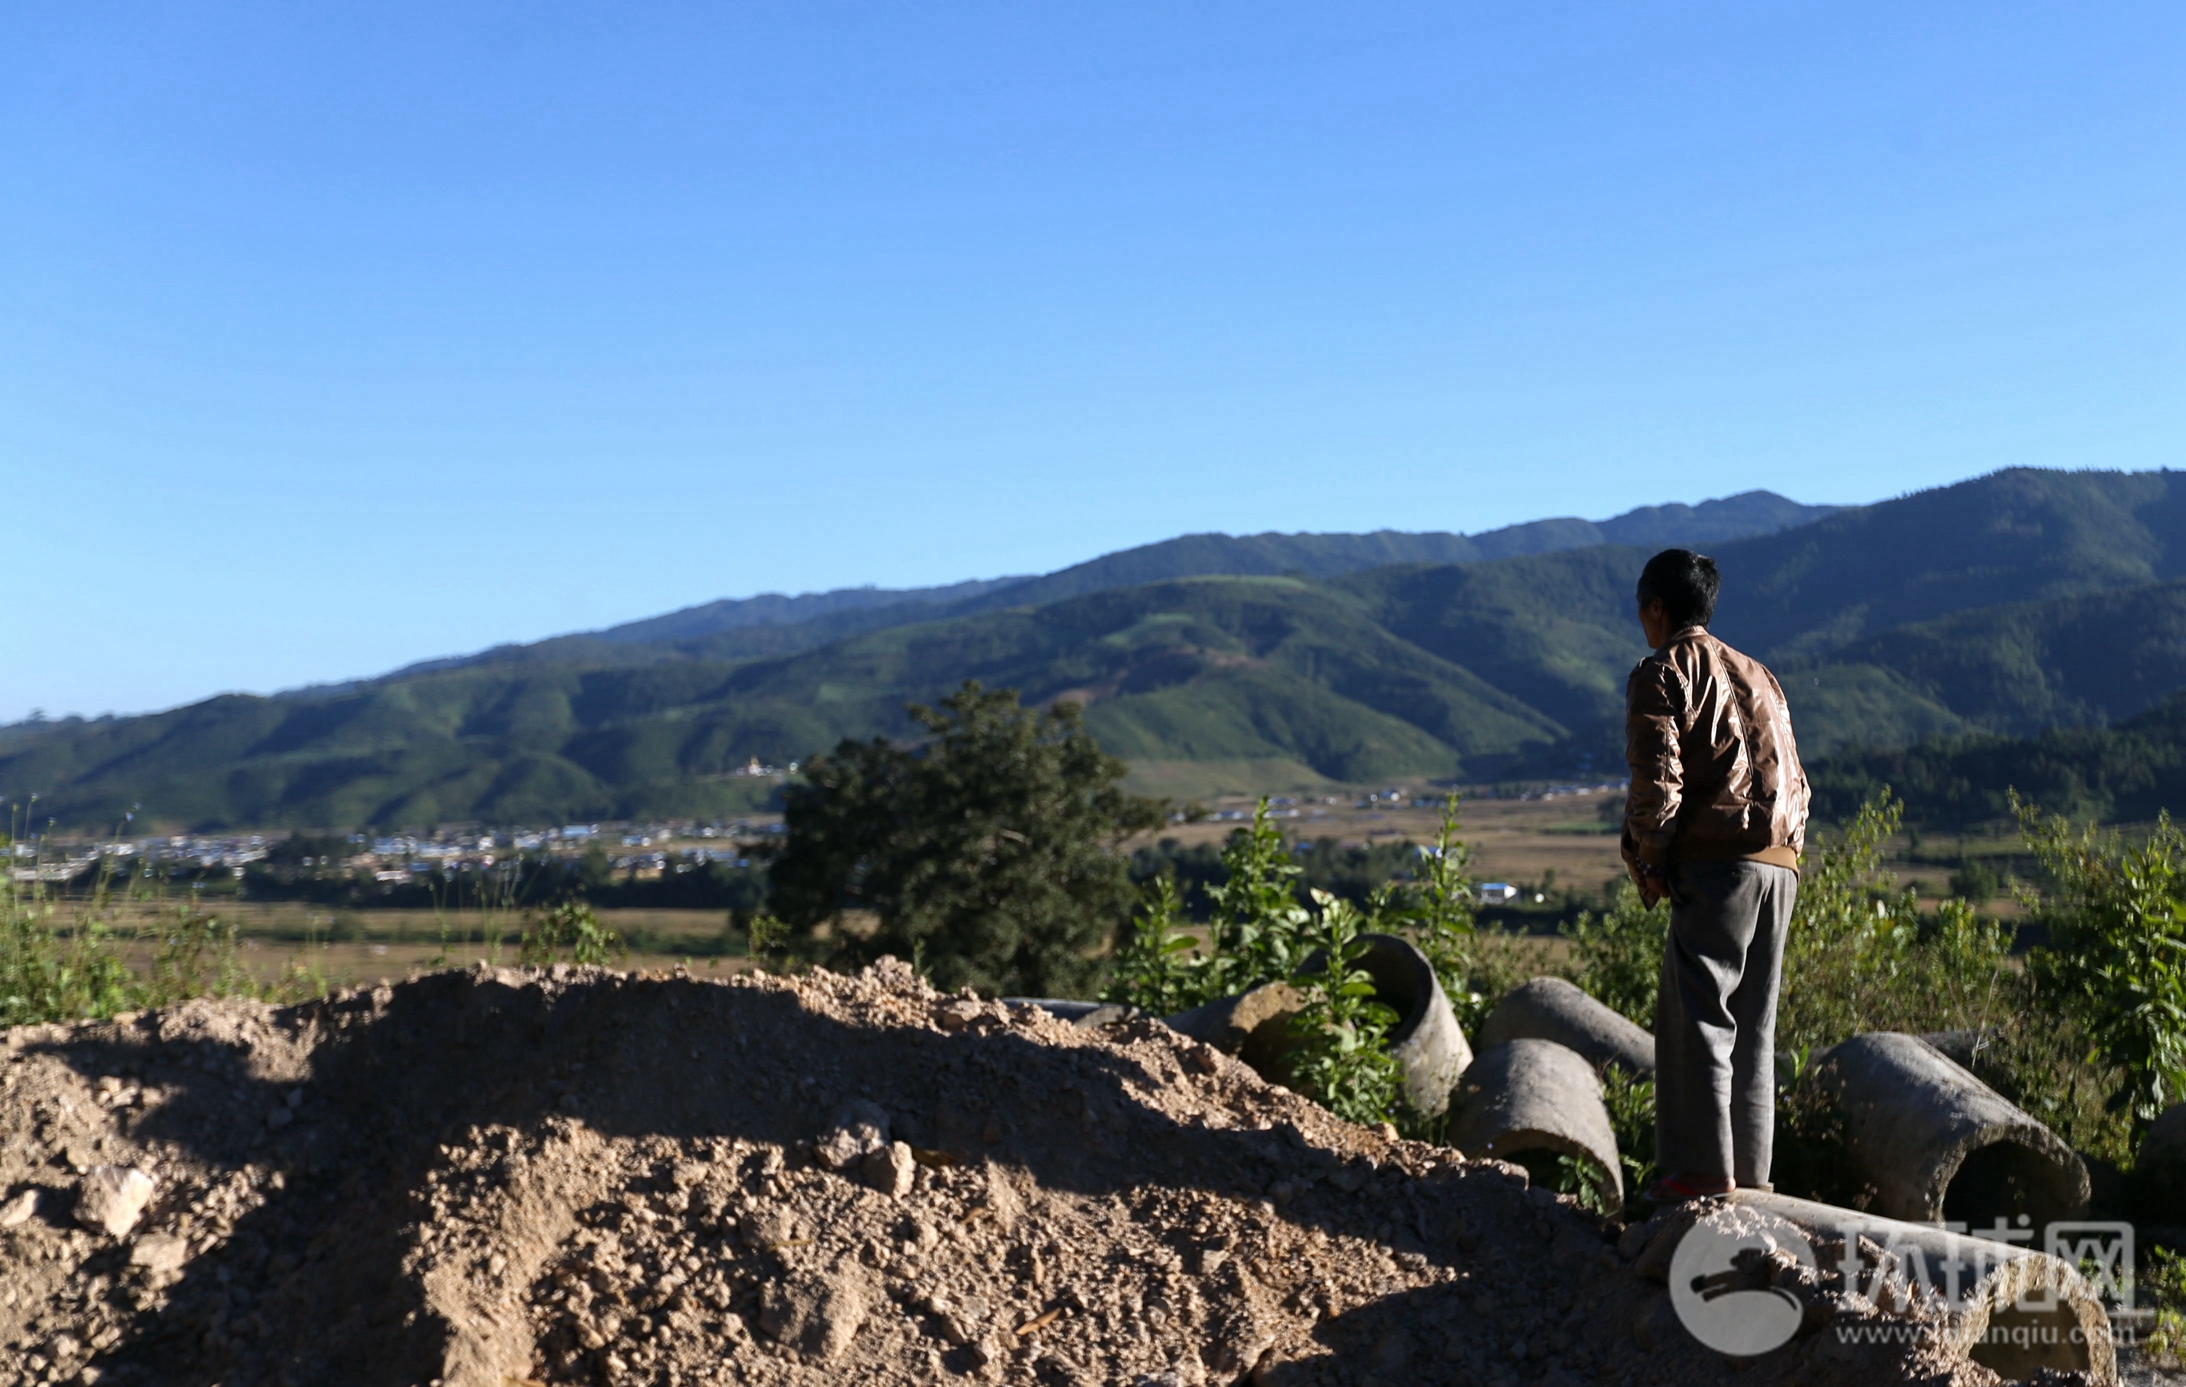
1687,584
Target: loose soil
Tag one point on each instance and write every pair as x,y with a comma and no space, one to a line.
496,1177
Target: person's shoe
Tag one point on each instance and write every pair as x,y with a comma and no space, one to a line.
1673,1189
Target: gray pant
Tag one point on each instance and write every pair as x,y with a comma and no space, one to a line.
1715,1021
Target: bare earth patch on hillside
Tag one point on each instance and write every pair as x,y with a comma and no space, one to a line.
499,1177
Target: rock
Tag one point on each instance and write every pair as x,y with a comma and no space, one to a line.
956,1015
890,1169
17,1211
687,1173
159,1253
279,1118
112,1198
857,1128
768,1227
816,1316
961,1321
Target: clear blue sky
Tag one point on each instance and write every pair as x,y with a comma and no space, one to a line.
330,342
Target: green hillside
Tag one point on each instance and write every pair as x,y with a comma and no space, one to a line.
2021,667
1272,670
2004,605
2130,772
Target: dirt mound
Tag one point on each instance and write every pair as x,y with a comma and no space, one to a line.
495,1177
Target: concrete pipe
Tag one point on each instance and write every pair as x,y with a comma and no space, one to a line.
1553,1009
1089,1016
2014,1310
1537,1096
1428,1043
1254,1026
1939,1145
1959,1047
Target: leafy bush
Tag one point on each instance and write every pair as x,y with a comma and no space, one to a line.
1617,956
2160,1285
2116,961
569,932
1339,1053
1258,932
1258,929
1435,910
1154,967
1631,1104
53,972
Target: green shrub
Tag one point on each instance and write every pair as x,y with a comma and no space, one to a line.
1155,965
1617,956
1258,929
2116,958
569,932
52,972
1631,1104
199,954
1339,1053
2160,1285
61,958
1258,932
1975,883
1435,910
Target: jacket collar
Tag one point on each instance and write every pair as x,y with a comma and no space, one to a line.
1683,633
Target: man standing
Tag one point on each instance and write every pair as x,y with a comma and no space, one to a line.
1715,821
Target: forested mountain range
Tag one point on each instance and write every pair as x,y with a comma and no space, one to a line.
748,628
2018,601
2131,771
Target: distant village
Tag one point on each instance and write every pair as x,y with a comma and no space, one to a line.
635,851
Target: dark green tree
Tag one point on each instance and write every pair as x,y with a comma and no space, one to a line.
988,852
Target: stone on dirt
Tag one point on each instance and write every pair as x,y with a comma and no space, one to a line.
817,1315
857,1129
112,1198
890,1169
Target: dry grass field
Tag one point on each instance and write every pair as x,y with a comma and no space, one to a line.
361,946
1512,840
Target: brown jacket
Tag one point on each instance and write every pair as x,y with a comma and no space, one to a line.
1715,772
